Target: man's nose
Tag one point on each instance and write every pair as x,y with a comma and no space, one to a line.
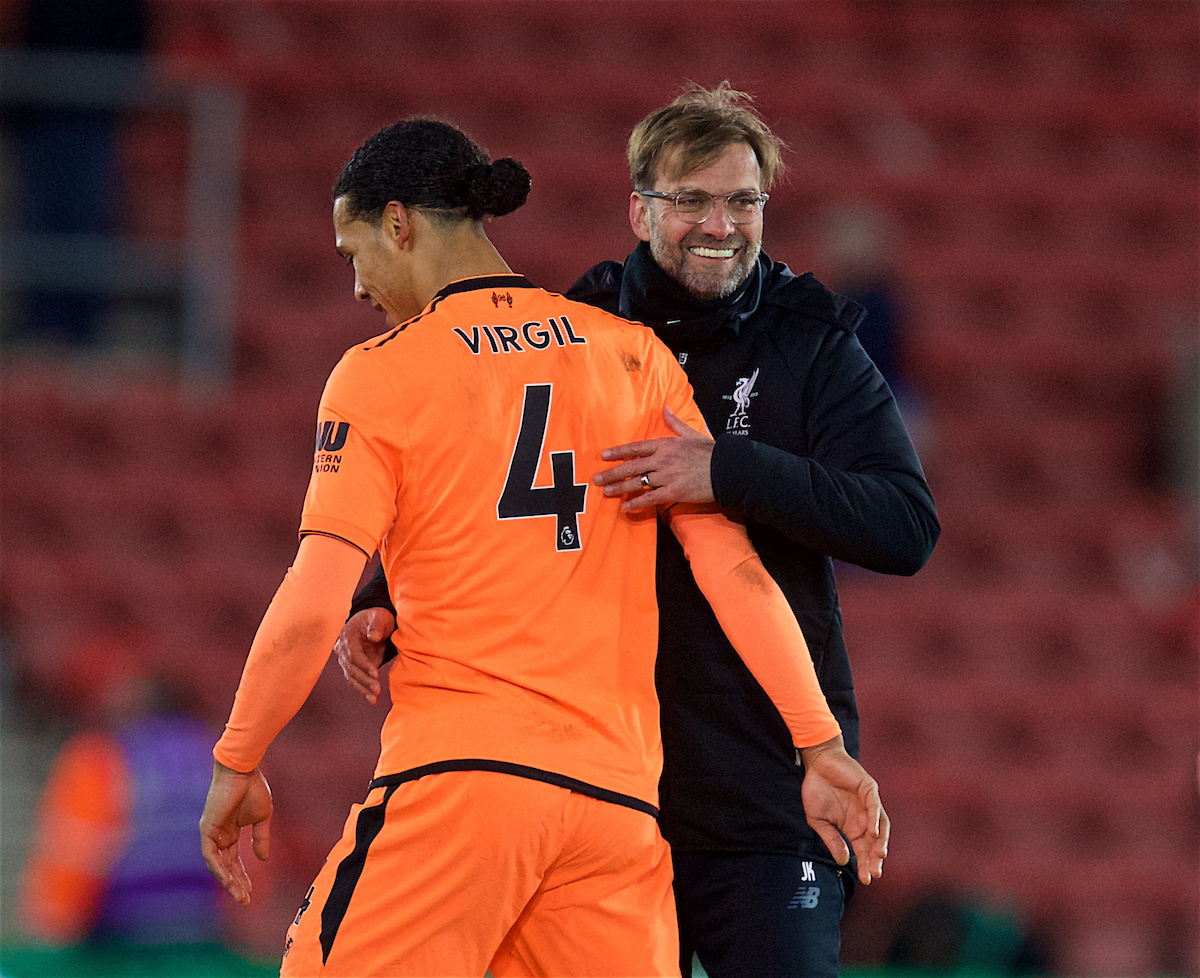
718,223
361,294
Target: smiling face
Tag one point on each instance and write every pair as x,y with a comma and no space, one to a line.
375,252
711,259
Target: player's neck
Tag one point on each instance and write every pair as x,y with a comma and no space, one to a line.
464,252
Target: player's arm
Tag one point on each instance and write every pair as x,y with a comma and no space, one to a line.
858,494
762,628
285,660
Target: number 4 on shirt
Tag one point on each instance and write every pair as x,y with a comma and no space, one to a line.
520,499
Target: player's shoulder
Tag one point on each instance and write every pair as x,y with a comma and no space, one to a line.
630,336
359,356
394,345
590,313
362,367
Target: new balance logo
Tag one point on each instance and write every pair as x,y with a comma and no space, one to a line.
806,898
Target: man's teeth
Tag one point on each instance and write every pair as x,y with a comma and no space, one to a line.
713,252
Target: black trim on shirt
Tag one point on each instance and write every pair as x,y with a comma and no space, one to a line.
487,282
333,536
466,285
404,325
520,771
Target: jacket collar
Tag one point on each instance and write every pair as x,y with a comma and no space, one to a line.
683,322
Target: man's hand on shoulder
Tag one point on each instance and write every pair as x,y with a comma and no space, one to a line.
661,471
842,799
360,649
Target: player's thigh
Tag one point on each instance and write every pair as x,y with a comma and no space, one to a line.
428,877
605,907
763,915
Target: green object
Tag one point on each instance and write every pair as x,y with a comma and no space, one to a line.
991,941
122,961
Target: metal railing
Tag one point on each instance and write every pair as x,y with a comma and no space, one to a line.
200,268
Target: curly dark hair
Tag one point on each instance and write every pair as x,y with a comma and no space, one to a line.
429,164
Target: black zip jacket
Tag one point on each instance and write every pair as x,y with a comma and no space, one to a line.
811,450
817,460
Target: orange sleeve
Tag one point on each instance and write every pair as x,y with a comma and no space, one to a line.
751,609
756,618
80,833
357,458
291,647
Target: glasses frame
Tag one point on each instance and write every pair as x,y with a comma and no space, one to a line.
673,197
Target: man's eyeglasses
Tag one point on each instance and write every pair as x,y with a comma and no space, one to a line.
694,206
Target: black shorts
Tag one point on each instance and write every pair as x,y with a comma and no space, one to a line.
759,915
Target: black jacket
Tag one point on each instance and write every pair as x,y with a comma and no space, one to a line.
819,463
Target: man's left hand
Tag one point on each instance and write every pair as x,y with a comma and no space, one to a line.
235,800
677,469
841,799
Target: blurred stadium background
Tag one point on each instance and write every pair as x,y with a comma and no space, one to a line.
1029,172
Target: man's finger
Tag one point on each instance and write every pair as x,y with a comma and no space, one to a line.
870,864
635,449
871,851
357,673
377,619
359,681
873,807
212,859
223,867
260,835
364,662
238,885
364,686
647,500
833,839
362,672
630,483
619,473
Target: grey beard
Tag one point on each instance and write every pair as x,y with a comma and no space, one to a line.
703,289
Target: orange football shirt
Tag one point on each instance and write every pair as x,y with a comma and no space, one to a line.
462,445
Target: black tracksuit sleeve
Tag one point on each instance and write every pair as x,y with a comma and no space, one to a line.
373,594
858,494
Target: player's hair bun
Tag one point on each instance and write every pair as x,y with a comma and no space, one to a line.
495,189
429,163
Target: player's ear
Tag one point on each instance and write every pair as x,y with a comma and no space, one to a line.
397,223
639,215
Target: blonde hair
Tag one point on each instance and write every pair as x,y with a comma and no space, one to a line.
691,132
